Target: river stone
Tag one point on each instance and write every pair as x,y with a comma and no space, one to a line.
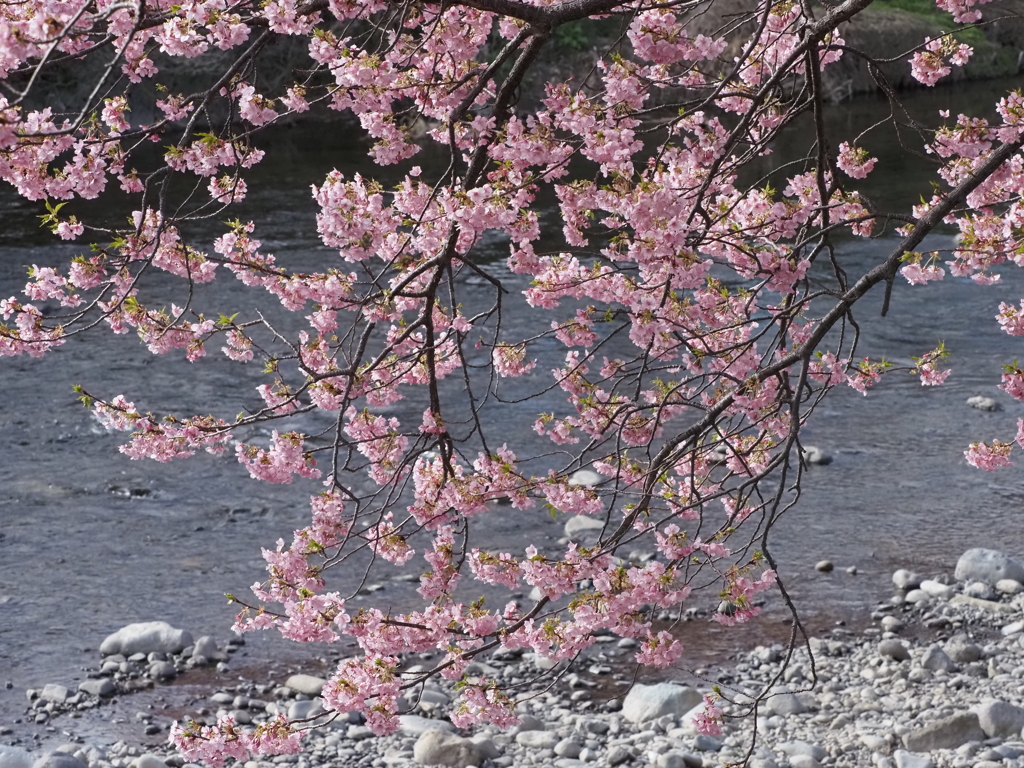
103,687
906,759
307,685
986,605
15,757
947,733
301,710
987,565
146,637
485,746
649,702
784,704
58,694
824,566
1009,586
531,723
163,670
812,454
893,649
438,747
984,403
582,528
999,718
538,739
148,760
415,725
937,589
904,579
936,659
58,760
962,650
206,647
568,748
803,761
979,590
585,477
794,748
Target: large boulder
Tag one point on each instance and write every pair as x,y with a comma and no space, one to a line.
146,637
988,566
1000,718
15,757
437,747
947,733
649,702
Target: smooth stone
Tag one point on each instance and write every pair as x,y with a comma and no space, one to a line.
824,566
583,528
803,761
891,624
568,748
308,685
979,590
812,454
987,565
1000,718
947,733
961,649
488,749
102,687
644,703
917,596
163,670
983,403
439,747
936,659
784,704
904,579
58,694
58,760
148,760
538,739
874,742
303,710
530,723
585,477
618,755
206,647
937,589
893,649
705,743
1009,587
415,725
906,759
15,757
146,637
794,748
1014,628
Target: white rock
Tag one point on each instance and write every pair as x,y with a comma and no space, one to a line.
538,739
103,686
438,747
937,589
301,710
309,685
146,637
906,759
148,760
784,704
936,659
987,565
983,403
58,694
1009,586
1014,628
583,528
649,702
947,733
904,579
585,477
812,454
206,647
415,725
917,596
999,718
15,757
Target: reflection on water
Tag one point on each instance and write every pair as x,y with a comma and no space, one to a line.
90,541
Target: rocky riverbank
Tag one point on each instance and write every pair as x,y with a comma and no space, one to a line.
937,680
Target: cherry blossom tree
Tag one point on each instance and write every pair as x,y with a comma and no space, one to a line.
699,334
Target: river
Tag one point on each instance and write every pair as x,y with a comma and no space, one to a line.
90,541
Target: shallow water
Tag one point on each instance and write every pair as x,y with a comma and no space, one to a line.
90,541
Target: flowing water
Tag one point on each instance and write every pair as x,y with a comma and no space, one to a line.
90,541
